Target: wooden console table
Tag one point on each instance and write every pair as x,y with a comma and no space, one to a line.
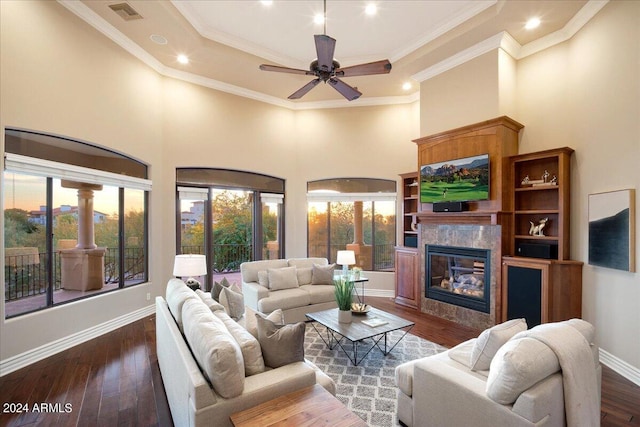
308,406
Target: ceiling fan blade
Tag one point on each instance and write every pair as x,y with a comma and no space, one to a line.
325,46
345,90
276,68
378,67
304,89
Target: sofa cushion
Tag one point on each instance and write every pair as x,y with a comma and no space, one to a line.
284,299
490,340
322,274
209,301
251,324
177,293
281,344
233,301
519,364
282,278
216,351
249,345
462,352
250,269
320,293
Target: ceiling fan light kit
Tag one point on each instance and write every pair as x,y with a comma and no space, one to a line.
327,69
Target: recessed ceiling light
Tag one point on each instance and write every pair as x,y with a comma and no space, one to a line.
371,9
183,59
532,23
157,38
407,85
318,19
266,2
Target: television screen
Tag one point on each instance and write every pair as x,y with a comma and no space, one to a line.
456,180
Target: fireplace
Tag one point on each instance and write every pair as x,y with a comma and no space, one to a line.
459,276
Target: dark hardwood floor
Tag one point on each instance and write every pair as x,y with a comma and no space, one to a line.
115,380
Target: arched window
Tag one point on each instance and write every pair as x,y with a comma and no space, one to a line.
230,216
353,213
75,221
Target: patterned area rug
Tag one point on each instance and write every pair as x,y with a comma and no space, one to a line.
369,389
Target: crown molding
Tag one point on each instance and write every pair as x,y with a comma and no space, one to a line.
506,42
100,24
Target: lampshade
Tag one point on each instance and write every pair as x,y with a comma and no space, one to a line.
190,265
346,258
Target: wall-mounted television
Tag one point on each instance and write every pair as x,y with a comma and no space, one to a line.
456,180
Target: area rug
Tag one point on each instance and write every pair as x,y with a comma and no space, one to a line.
369,389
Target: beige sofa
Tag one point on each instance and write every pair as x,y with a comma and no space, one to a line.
522,384
297,299
201,395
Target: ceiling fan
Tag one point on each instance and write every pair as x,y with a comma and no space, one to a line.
327,69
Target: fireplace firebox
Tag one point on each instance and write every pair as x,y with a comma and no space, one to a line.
459,276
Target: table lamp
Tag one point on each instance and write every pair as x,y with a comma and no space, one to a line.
189,266
346,258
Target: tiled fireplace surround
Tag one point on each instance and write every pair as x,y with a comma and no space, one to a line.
467,236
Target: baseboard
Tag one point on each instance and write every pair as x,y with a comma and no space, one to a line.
379,293
28,357
620,366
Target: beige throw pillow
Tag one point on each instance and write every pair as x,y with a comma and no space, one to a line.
282,278
251,324
233,301
263,278
209,301
218,287
304,275
322,274
281,344
490,340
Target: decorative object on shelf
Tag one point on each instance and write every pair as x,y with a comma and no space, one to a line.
190,265
545,176
525,180
343,290
612,229
345,259
554,180
537,229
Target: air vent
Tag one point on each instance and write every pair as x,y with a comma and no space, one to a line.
125,11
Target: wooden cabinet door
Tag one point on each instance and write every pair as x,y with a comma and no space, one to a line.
407,277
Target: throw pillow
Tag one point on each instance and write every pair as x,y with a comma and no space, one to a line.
281,344
490,340
304,275
519,364
209,301
251,324
282,278
263,278
233,302
218,287
249,345
322,274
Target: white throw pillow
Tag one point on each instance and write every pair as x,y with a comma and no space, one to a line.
217,353
209,301
490,340
249,345
304,275
263,278
282,278
519,364
177,294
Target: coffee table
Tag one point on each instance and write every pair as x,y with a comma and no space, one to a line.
310,406
358,332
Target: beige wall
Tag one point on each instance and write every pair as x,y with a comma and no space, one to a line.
585,94
59,75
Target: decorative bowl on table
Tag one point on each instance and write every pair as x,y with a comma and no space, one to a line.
359,308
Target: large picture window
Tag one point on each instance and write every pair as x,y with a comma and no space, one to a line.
230,216
75,221
358,214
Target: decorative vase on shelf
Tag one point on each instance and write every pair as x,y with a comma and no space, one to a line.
343,289
344,316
